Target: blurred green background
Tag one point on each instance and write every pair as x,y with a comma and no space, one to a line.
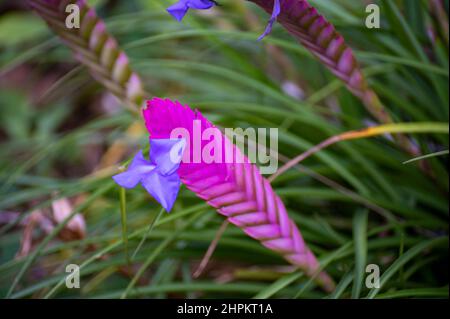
62,135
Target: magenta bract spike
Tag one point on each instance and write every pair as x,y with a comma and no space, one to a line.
236,189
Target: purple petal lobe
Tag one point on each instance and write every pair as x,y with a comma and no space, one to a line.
163,188
200,4
135,172
179,9
127,179
166,154
273,18
138,161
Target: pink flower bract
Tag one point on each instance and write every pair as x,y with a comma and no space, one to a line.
236,190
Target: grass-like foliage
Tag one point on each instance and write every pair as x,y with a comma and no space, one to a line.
68,122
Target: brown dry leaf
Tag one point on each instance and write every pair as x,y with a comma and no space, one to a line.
76,227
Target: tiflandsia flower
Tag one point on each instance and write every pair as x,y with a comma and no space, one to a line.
236,189
179,9
159,174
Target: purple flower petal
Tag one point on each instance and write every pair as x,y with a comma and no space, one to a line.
273,18
135,172
138,161
167,154
200,4
179,9
163,188
127,179
159,176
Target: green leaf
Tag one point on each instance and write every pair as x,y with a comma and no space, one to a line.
18,28
360,247
407,256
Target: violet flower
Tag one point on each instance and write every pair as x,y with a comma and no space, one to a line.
179,9
158,175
